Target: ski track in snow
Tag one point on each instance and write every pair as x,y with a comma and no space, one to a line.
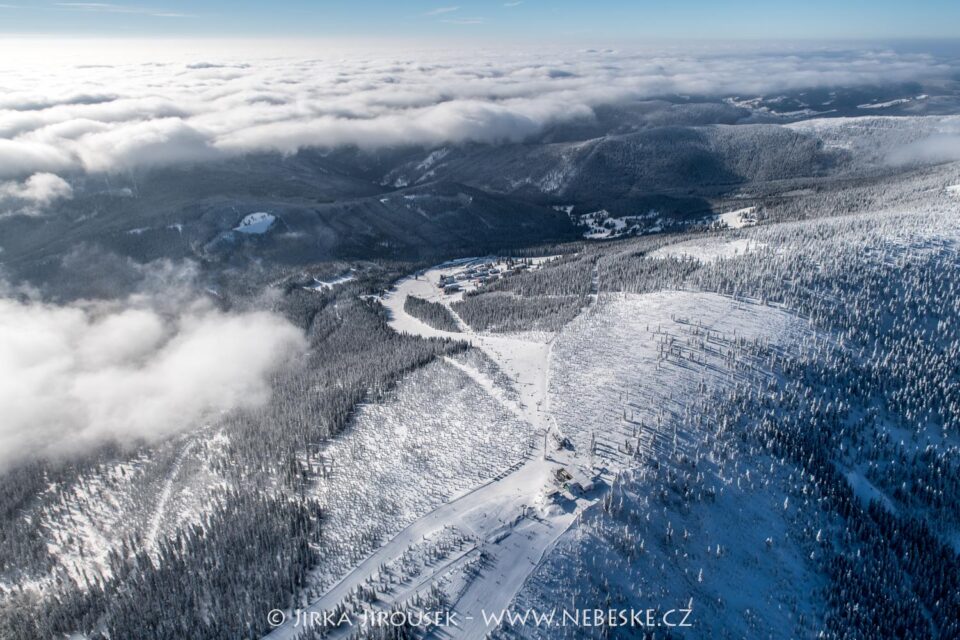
150,540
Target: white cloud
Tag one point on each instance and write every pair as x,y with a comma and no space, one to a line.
936,148
72,377
164,141
32,195
129,114
25,157
441,10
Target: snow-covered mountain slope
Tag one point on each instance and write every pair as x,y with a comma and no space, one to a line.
685,526
626,373
841,451
501,522
623,356
885,140
691,406
441,433
757,424
109,505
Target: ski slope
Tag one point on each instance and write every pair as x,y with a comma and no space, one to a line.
514,528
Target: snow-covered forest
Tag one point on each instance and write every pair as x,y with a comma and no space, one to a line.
696,353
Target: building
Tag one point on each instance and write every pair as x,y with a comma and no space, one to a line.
581,482
574,479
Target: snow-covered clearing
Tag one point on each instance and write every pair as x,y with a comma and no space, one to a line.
524,361
630,377
145,497
87,517
738,219
465,275
327,285
439,435
150,538
866,491
420,286
256,223
883,105
708,249
627,372
601,225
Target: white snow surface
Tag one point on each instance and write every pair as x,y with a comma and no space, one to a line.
720,557
708,249
738,219
445,430
607,363
883,105
327,285
256,223
146,497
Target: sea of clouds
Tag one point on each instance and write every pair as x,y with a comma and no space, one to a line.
64,118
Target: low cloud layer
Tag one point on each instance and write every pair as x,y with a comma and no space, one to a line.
72,377
30,196
942,147
114,118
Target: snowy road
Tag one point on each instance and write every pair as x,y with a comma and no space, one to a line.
513,535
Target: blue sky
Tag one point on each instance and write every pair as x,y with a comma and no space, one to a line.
515,20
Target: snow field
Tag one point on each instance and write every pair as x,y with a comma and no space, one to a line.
738,219
627,373
629,378
256,223
709,249
456,446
